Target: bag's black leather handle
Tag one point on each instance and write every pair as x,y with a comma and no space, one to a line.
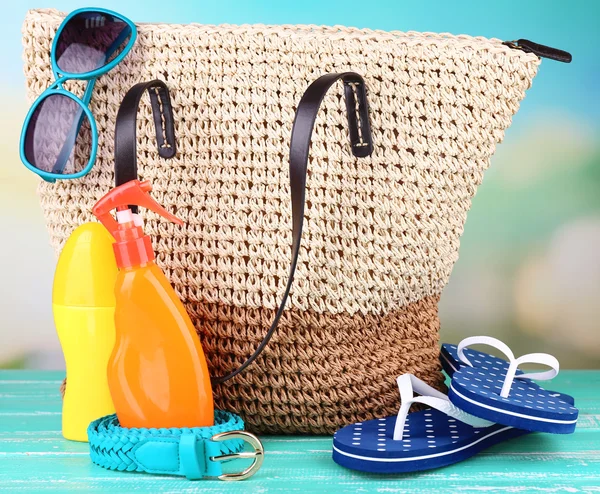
126,126
362,146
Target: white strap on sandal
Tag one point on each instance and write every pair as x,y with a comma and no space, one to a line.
408,384
530,358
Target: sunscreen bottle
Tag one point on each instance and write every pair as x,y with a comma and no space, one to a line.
83,303
157,373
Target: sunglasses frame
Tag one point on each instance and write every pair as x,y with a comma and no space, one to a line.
58,89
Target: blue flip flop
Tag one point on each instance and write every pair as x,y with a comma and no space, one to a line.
451,363
438,436
505,397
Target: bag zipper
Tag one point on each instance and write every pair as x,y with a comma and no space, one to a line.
540,50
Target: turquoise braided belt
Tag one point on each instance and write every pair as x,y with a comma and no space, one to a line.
195,453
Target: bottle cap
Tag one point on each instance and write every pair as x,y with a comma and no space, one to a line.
86,270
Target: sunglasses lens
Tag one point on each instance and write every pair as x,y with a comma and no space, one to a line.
89,41
58,138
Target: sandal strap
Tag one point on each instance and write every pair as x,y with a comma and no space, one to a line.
408,384
530,358
511,373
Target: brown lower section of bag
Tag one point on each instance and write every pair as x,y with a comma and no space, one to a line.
320,371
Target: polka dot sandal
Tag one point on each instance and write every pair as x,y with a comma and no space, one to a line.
508,398
438,436
451,363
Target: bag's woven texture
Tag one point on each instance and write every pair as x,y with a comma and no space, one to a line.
381,233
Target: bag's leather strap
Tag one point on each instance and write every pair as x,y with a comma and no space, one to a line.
126,126
362,146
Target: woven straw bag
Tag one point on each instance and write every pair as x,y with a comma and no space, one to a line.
381,233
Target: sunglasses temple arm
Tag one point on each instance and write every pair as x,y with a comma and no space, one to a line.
123,35
87,96
65,152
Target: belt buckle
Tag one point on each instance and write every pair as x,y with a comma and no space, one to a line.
258,454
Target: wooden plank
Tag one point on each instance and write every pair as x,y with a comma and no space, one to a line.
34,457
16,376
30,421
314,471
585,440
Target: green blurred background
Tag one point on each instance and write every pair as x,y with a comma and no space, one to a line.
529,268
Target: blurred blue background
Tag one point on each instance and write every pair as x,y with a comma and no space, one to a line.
529,268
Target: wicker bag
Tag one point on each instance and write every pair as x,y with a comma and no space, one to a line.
381,233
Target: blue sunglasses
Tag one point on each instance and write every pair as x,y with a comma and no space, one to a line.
59,139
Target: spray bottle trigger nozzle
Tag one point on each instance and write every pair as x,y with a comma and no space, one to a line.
132,192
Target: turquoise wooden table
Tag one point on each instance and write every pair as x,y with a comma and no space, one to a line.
35,458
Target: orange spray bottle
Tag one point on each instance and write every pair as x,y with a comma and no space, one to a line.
157,373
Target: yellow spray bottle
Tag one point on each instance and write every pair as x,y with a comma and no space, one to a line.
83,303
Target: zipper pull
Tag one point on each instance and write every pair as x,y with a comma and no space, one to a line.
540,50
